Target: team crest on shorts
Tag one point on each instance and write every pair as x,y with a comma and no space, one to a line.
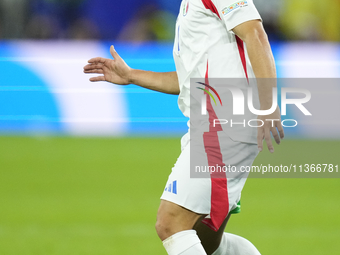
185,7
234,7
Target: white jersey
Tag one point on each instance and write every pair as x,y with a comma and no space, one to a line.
204,38
205,47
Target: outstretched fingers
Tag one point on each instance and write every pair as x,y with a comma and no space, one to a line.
97,60
94,65
98,78
94,70
113,70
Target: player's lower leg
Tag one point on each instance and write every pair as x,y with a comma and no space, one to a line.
235,245
175,228
184,243
210,239
221,243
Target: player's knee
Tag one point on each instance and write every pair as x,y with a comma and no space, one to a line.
163,227
167,218
172,218
169,222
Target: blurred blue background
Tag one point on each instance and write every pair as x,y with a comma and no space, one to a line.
45,43
141,20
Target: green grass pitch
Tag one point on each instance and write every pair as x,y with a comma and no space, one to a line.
61,195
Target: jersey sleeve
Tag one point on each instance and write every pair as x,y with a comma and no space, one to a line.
234,12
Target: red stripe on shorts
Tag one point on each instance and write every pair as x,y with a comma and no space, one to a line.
240,47
219,190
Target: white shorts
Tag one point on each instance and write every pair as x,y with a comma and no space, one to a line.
215,197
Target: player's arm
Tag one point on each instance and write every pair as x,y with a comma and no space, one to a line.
262,60
118,72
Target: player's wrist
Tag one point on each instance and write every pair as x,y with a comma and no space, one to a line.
131,76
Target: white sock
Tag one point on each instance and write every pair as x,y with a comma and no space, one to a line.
184,243
235,245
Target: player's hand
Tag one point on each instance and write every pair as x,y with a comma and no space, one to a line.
113,70
272,124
